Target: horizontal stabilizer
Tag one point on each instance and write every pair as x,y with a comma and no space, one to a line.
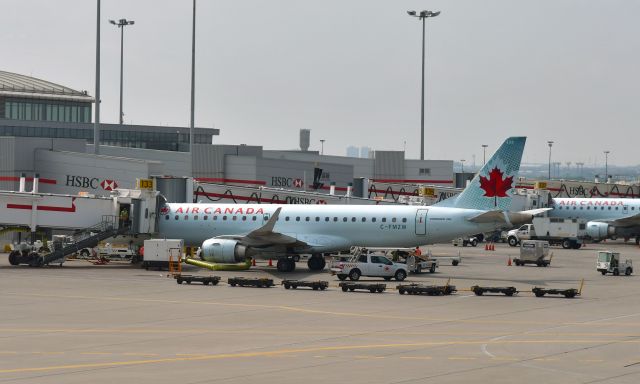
489,217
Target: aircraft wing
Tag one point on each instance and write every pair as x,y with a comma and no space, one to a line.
265,236
627,221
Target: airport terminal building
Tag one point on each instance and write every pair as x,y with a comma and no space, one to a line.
46,129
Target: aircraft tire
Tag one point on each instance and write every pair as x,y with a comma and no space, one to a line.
316,262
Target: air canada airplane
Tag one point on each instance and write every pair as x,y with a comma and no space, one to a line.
608,218
230,233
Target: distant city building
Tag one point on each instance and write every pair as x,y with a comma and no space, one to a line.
31,107
353,151
365,152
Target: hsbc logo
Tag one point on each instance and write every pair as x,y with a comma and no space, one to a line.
109,185
279,181
90,182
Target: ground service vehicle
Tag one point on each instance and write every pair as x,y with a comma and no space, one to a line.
157,252
534,252
570,233
416,263
205,280
465,241
367,264
373,288
609,262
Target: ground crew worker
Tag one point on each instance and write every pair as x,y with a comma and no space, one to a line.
417,252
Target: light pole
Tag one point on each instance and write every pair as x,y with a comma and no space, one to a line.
121,24
96,118
550,145
606,166
462,166
484,154
423,16
322,146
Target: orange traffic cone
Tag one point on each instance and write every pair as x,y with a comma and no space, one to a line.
486,247
253,262
509,261
493,247
270,263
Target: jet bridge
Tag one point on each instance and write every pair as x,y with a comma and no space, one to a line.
91,218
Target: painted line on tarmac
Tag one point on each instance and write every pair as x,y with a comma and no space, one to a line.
115,364
311,311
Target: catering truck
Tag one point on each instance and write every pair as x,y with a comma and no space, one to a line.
569,233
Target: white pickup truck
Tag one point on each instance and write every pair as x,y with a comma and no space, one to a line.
368,265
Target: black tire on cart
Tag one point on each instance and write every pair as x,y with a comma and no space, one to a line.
380,290
401,291
604,272
539,294
454,262
315,287
345,289
188,281
179,281
510,292
570,295
205,282
478,292
342,277
372,290
628,271
287,286
352,289
432,269
232,284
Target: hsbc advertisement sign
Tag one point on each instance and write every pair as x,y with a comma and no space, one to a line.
90,182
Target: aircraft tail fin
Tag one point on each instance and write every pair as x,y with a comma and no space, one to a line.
492,187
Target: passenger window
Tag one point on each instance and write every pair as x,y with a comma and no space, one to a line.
384,219
176,217
353,219
195,217
335,218
215,217
616,208
297,218
344,219
234,218
317,218
364,219
166,217
186,217
253,218
393,220
609,208
244,218
404,219
373,219
326,218
224,218
286,218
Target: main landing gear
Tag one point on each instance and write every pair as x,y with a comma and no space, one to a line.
316,262
286,265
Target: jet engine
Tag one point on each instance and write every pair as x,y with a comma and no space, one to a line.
599,231
223,251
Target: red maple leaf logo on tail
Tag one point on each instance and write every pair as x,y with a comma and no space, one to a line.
495,186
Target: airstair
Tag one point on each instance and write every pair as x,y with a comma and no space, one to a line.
86,238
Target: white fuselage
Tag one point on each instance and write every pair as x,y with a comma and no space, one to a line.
325,228
594,209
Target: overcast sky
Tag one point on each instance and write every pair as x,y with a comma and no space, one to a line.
561,70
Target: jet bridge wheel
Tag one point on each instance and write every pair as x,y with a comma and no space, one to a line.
14,258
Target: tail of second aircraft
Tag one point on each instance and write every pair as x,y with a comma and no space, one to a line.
493,186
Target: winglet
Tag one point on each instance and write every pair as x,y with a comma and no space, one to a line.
268,227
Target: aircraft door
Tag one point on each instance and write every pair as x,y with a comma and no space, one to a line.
421,222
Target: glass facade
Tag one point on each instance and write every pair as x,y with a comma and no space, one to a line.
47,110
121,138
